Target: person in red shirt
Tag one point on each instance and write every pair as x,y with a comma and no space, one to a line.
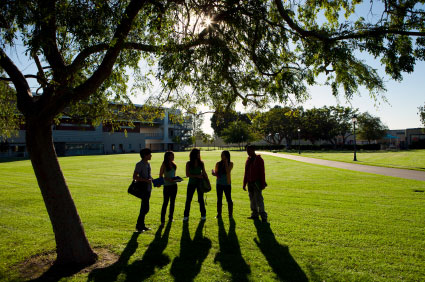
255,178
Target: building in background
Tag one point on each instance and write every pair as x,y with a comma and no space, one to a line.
74,137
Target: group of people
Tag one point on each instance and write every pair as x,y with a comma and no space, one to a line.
254,179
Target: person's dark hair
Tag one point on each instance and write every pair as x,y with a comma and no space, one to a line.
221,169
144,152
250,147
168,165
193,156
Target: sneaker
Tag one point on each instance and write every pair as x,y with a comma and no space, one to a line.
218,216
186,218
253,217
203,217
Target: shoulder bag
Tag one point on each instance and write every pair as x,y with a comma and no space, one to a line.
137,189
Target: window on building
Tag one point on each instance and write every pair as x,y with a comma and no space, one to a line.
113,147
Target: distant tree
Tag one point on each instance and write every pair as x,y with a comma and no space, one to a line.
222,118
207,139
422,114
343,121
238,132
318,124
10,119
277,124
370,127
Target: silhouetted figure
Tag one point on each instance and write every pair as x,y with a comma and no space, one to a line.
168,171
192,254
255,178
229,255
224,183
195,170
142,173
277,255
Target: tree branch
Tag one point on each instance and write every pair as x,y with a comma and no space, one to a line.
83,55
24,95
48,40
41,78
104,70
350,35
304,33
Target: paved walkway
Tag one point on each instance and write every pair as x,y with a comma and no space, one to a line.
395,172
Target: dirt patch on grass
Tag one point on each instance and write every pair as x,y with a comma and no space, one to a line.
38,266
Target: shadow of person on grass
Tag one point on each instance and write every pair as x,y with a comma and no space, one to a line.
229,255
153,257
277,255
192,254
111,272
140,269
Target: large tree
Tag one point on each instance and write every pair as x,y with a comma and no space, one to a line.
318,124
238,132
279,123
343,122
82,50
370,127
222,118
207,52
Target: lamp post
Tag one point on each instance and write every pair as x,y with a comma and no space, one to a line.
299,142
354,119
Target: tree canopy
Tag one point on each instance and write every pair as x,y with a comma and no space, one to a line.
370,127
278,124
238,132
221,120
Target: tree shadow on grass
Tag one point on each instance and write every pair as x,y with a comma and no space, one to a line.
140,269
192,254
57,272
229,255
277,255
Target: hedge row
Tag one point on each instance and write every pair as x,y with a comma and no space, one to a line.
325,147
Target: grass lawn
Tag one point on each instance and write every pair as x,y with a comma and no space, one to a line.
412,159
326,224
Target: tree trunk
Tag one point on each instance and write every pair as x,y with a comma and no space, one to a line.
288,143
72,246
